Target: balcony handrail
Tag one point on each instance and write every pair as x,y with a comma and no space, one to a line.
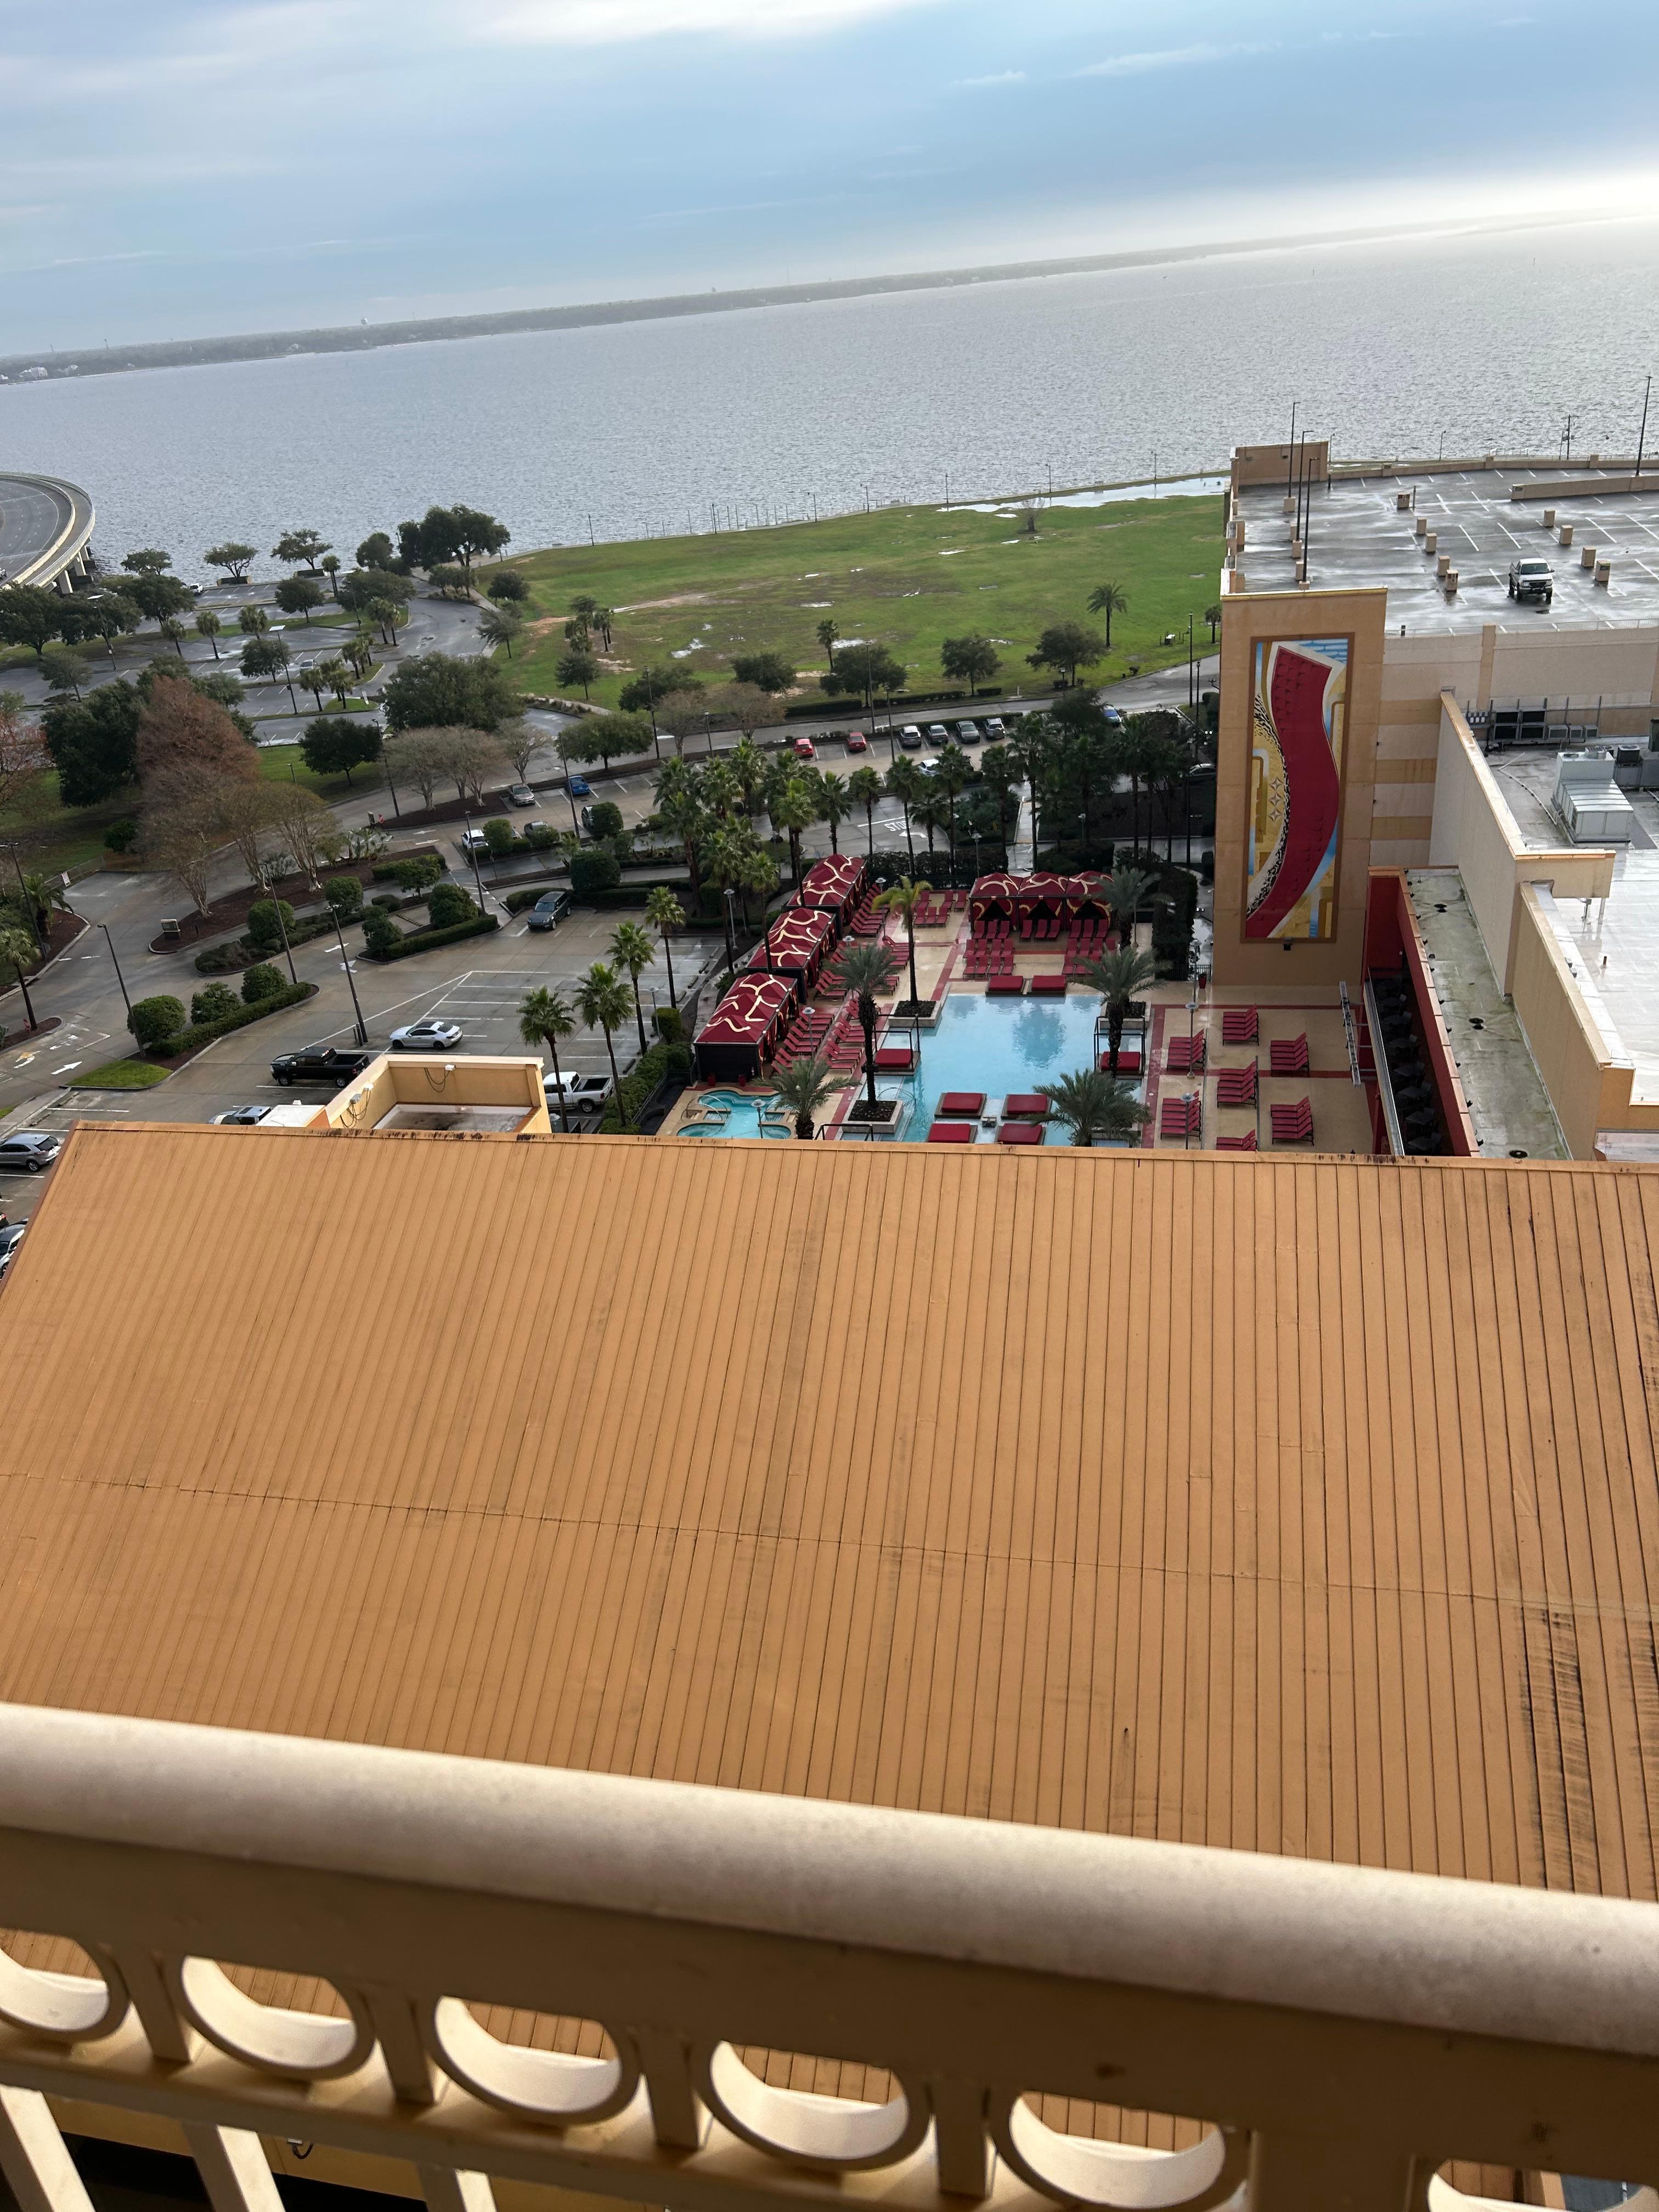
1329,2020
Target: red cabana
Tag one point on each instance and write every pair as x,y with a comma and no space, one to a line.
800,940
741,1034
833,884
1018,898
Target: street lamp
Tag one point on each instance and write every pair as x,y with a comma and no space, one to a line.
472,855
110,941
362,1033
731,939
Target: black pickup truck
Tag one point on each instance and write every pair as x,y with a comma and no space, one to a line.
319,1063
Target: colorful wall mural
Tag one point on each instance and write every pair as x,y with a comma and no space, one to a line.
1299,707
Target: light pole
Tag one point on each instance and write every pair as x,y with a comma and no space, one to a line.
28,909
731,939
473,855
362,1033
110,941
281,927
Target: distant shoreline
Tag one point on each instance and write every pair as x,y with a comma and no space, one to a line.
364,337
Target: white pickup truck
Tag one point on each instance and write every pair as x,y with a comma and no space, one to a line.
1531,581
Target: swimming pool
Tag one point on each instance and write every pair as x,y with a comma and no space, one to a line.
996,1046
743,1120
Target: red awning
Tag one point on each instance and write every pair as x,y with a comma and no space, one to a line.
1016,896
750,1012
798,940
834,884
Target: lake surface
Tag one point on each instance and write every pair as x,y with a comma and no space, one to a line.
635,428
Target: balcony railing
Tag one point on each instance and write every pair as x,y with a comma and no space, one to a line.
1342,2033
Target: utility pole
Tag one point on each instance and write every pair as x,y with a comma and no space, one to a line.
362,1033
1289,451
1641,441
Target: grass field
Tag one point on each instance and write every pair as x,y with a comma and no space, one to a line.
908,577
122,1075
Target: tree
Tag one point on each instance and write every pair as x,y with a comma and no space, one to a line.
64,669
768,671
358,590
507,587
297,595
253,622
264,657
604,738
631,949
437,690
30,615
836,802
664,912
497,628
155,1021
174,630
334,744
185,735
864,787
574,667
314,679
246,813
233,558
259,982
680,712
297,545
1066,647
681,811
182,835
904,898
207,625
44,896
329,565
93,742
1094,1106
641,693
478,537
18,950
1124,890
146,562
998,783
335,671
158,598
906,783
602,1004
867,969
213,1003
866,669
1109,599
1120,976
409,546
758,877
470,758
827,632
412,758
449,581
389,616
23,752
1213,616
972,660
603,619
519,741
106,615
359,651
544,1017
376,551
805,1086
952,773
794,809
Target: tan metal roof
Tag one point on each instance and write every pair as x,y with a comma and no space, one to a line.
1306,1506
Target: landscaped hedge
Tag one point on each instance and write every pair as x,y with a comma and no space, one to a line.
428,940
528,894
660,1064
200,1033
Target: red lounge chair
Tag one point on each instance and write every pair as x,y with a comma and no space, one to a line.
1245,1144
1239,1025
1026,1106
1005,986
1182,1116
1019,1133
1293,1125
1128,1061
894,1056
1047,986
955,1104
1236,1086
1187,1054
951,1132
1289,1055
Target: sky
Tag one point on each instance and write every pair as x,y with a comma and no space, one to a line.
198,167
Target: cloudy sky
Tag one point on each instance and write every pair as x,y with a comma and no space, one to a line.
197,166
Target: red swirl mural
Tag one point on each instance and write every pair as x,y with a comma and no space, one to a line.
1296,793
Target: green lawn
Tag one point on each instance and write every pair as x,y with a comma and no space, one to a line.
278,763
122,1075
908,577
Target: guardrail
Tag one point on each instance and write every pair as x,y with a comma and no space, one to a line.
77,518
1340,2031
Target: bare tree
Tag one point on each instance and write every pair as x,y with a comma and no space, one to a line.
182,837
413,758
184,733
470,758
741,707
681,713
23,752
303,822
520,741
248,813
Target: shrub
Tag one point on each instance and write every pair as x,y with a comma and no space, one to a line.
417,873
261,981
663,1061
386,902
605,819
200,1033
212,1003
1206,868
380,933
345,896
121,836
153,1021
498,835
594,871
265,930
669,1026
427,940
223,959
540,837
449,906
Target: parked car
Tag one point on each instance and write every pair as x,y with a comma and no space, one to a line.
993,727
583,1094
27,1151
240,1117
430,1036
473,840
549,910
805,749
520,794
11,1236
967,733
937,734
857,742
579,788
320,1063
911,738
1532,581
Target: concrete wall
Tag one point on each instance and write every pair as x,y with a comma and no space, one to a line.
463,1080
1589,1087
1261,465
1305,614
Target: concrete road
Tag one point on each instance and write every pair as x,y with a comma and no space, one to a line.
31,520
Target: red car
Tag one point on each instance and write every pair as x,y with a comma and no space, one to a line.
804,749
857,742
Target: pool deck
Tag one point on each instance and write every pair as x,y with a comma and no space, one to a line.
1341,1117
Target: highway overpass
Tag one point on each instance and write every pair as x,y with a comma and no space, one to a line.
44,529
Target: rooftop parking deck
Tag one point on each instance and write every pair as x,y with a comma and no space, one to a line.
1356,538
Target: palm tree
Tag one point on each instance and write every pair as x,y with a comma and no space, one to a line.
866,969
1120,977
602,1004
663,912
631,949
933,810
544,1017
864,786
757,872
45,897
18,949
748,763
207,625
253,622
953,775
1125,889
1109,599
904,898
339,676
828,632
1213,616
904,783
794,808
1093,1106
835,803
805,1086
174,630
500,628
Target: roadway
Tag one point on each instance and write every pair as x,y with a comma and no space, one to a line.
44,527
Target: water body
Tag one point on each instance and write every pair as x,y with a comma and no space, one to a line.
632,429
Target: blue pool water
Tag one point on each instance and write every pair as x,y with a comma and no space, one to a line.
996,1046
745,1120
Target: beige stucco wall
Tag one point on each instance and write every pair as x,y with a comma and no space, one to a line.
1619,666
1589,1088
442,1079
